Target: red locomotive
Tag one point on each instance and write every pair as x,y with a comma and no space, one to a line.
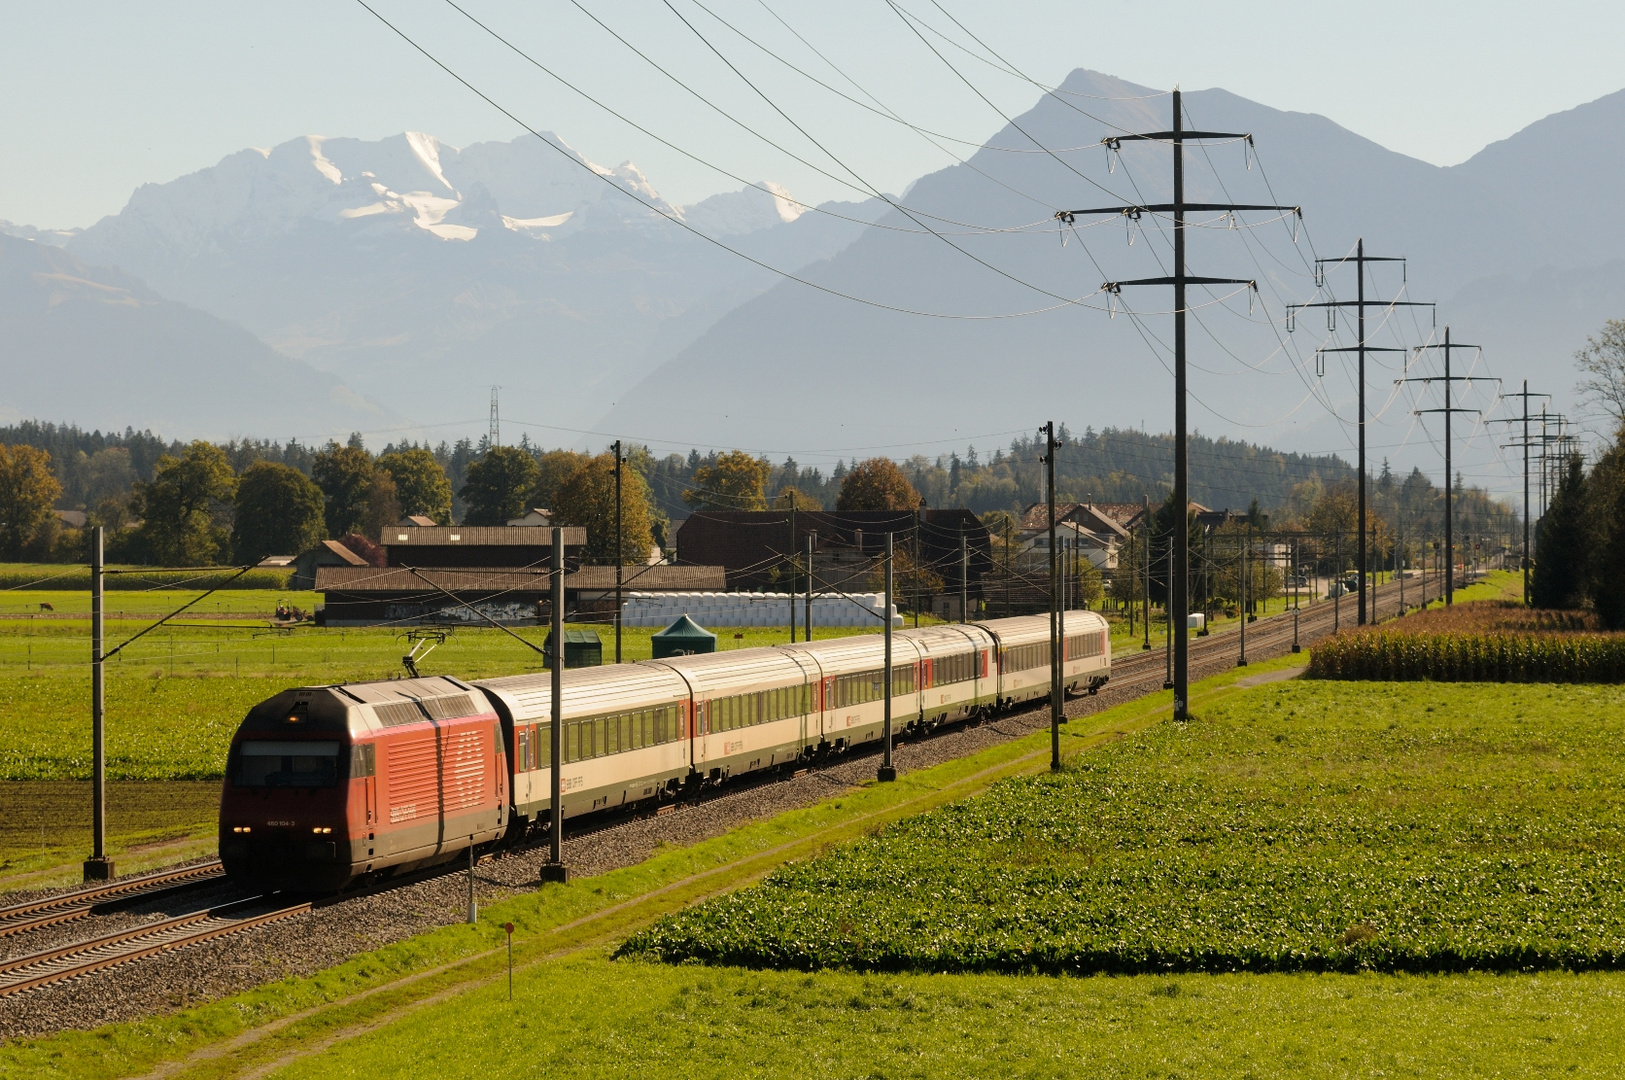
327,785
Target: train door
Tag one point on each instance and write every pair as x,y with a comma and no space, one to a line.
826,702
698,731
364,766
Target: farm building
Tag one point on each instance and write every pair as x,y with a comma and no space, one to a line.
468,574
466,546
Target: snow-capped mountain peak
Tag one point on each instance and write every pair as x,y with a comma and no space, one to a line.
409,182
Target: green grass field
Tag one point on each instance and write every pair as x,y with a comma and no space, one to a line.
586,1017
436,1006
45,827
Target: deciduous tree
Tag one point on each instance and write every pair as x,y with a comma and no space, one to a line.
587,498
791,498
421,485
383,506
278,511
498,484
186,509
736,482
552,470
344,473
1603,363
877,484
27,492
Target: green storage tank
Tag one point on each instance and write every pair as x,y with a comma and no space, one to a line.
582,648
684,637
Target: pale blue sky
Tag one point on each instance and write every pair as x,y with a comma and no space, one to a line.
104,96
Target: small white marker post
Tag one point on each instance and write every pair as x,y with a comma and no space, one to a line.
508,926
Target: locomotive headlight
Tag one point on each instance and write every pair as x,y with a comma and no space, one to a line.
321,830
241,829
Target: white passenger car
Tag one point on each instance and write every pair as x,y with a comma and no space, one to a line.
637,733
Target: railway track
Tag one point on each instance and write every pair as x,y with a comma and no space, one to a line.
110,950
1266,635
100,899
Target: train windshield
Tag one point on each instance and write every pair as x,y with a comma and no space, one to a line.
305,763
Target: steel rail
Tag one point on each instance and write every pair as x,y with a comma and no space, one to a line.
81,903
110,950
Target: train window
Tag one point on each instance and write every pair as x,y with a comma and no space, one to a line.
625,725
572,751
302,763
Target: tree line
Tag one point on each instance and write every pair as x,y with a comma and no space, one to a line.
201,502
204,503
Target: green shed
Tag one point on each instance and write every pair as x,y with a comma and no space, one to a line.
684,637
582,648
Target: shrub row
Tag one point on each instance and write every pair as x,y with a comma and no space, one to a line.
1399,655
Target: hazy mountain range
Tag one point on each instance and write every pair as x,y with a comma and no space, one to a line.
389,283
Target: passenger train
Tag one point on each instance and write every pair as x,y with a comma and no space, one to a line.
328,786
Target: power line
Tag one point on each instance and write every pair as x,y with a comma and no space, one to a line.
678,221
1360,349
1180,280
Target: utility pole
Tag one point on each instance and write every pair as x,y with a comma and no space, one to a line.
1449,410
888,772
1056,704
620,550
791,547
1246,581
1524,395
1168,630
98,867
1361,348
812,538
1145,621
496,428
1180,280
964,577
554,869
1337,583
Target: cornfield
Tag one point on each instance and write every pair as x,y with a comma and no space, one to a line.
1481,642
